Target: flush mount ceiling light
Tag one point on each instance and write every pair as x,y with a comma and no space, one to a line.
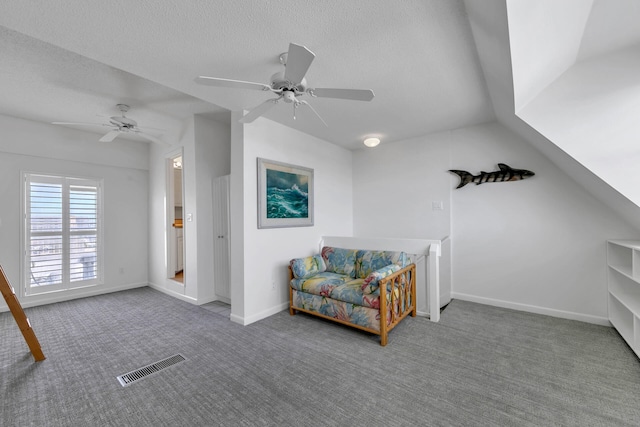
371,142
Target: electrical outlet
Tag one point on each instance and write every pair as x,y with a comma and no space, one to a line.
273,285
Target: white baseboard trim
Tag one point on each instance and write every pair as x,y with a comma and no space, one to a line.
244,321
237,319
169,292
597,320
60,296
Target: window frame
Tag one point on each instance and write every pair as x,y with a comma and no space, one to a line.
66,233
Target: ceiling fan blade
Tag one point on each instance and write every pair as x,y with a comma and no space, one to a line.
110,136
79,124
352,94
259,110
151,138
299,59
147,129
314,110
236,84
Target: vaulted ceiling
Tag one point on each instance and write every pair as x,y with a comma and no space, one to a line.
566,76
566,72
417,56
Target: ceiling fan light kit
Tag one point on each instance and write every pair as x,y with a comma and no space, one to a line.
289,85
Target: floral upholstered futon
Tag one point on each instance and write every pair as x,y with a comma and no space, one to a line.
344,285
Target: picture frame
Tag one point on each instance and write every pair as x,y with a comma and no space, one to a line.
285,195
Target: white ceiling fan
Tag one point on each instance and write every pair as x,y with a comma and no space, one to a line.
118,125
289,85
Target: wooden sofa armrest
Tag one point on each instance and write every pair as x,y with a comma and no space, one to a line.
401,301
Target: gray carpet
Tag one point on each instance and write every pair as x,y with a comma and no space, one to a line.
479,366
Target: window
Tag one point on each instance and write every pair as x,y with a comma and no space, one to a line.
63,233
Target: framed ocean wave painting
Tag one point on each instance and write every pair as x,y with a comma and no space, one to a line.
285,195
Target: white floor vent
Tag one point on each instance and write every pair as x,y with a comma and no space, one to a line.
133,376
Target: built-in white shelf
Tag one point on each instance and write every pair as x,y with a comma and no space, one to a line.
623,260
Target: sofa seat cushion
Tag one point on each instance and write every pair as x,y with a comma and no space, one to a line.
339,287
352,313
369,261
320,284
367,317
351,292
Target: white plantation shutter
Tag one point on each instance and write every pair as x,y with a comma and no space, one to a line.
83,231
63,235
45,225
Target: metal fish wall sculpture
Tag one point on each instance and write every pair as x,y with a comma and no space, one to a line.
505,173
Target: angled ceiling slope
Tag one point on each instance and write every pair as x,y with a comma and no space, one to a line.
571,110
45,83
587,101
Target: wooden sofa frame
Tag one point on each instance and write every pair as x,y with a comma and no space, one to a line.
404,281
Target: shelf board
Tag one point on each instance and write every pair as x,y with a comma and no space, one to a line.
629,298
631,244
624,270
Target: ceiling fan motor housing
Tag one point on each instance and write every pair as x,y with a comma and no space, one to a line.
123,122
278,82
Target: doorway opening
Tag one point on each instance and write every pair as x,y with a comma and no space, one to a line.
175,234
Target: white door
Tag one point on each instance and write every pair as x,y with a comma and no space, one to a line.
221,262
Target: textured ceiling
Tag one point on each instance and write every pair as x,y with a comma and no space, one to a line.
73,60
418,56
45,83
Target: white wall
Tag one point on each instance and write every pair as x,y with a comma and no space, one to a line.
266,252
536,245
205,147
158,217
212,149
395,184
43,148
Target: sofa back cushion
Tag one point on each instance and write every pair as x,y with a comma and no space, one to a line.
369,261
303,268
340,261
